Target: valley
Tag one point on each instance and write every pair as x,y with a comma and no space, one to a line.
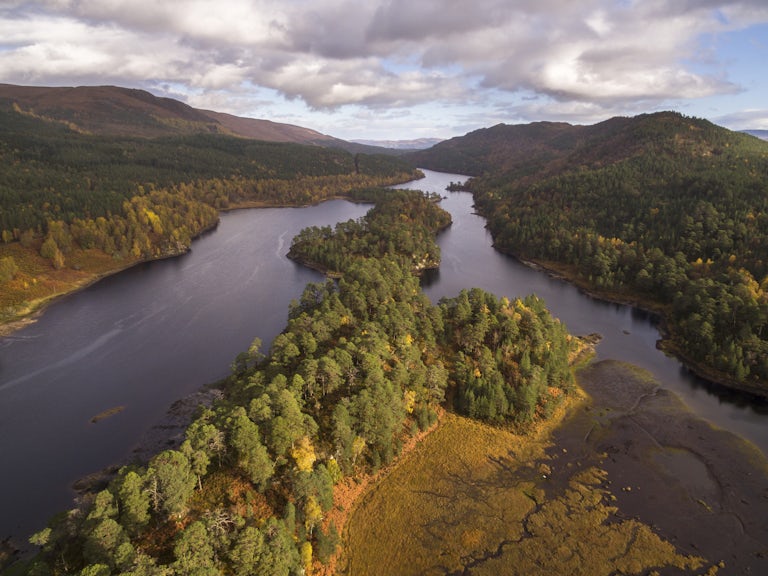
368,359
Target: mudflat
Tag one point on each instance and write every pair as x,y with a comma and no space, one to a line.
701,488
628,481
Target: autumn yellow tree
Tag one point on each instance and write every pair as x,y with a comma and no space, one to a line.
304,454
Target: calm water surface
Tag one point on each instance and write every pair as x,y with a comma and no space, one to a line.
140,339
153,334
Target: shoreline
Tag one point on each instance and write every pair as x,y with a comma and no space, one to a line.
165,434
666,343
37,308
701,487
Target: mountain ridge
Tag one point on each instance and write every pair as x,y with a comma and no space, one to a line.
519,149
129,112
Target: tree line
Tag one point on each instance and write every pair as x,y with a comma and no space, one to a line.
63,193
402,225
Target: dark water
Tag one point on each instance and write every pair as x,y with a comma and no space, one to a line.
140,339
155,333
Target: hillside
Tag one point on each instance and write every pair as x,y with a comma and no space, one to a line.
267,130
109,110
75,205
277,132
125,112
660,209
542,149
498,148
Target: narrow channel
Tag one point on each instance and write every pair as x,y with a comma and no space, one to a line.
629,334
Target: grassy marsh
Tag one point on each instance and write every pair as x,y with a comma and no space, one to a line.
473,499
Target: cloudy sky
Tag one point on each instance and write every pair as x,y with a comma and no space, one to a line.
404,69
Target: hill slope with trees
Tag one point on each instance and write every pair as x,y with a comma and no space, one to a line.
74,205
126,112
664,210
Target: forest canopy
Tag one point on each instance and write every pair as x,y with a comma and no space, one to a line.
402,225
51,173
73,201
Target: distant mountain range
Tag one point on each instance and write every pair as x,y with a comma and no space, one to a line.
762,134
115,111
416,144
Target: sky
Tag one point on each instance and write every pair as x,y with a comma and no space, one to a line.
404,69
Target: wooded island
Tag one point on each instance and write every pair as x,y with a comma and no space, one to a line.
364,363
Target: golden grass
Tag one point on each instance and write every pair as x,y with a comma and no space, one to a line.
474,496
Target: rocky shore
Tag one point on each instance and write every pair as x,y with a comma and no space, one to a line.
166,434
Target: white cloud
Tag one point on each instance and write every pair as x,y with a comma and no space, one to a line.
585,59
750,119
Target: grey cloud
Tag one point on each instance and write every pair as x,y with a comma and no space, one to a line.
744,120
336,32
399,20
396,53
445,20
